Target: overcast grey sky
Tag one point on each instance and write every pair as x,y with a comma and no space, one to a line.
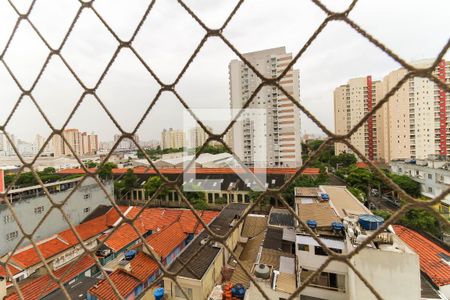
413,29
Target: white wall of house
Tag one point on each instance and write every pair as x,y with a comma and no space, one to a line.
30,212
394,275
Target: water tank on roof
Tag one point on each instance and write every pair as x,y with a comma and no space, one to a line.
337,227
238,291
262,271
370,222
324,196
129,255
158,293
311,224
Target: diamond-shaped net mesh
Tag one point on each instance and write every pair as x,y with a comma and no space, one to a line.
84,7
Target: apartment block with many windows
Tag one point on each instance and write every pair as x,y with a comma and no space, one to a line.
268,133
351,102
413,124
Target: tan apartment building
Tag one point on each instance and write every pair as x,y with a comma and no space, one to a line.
269,135
351,102
197,137
80,142
172,138
413,124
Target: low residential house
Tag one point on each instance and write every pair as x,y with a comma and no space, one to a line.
268,256
434,259
59,249
31,204
341,222
205,259
73,276
131,279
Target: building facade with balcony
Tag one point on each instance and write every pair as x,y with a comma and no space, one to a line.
268,132
413,124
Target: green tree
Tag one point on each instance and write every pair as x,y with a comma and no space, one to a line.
421,219
90,164
358,193
105,171
385,214
303,181
361,178
152,184
199,204
49,170
344,160
212,149
410,186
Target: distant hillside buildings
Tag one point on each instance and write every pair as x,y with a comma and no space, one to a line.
413,124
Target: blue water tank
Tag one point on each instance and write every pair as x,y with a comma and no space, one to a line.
337,226
129,255
370,222
158,293
311,224
324,196
238,291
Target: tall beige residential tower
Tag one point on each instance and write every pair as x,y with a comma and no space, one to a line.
351,102
412,125
172,138
268,134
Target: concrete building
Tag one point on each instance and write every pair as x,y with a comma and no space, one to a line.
351,102
340,221
125,144
31,204
172,139
81,143
197,137
432,175
413,124
204,272
269,133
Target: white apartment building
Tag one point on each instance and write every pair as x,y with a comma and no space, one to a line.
31,205
172,138
433,175
268,133
413,124
351,102
342,222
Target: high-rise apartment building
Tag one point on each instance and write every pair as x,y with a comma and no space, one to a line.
80,142
126,144
172,138
413,124
351,102
268,133
197,137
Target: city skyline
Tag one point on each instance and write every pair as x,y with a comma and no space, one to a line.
321,69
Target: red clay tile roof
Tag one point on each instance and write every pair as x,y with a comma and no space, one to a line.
145,170
430,262
191,224
64,240
11,269
122,236
124,282
166,240
44,285
143,266
155,219
362,164
48,249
